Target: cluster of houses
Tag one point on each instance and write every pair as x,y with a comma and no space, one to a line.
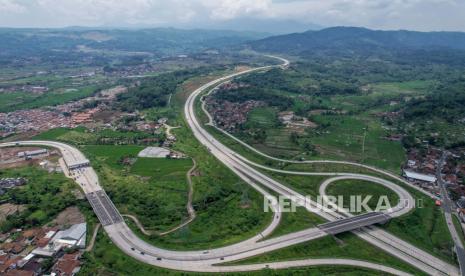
31,120
421,168
26,252
229,115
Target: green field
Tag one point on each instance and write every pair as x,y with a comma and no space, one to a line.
263,117
359,139
347,188
112,155
296,221
25,100
83,136
162,168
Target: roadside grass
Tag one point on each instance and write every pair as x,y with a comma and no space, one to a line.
424,227
345,245
296,221
458,227
348,188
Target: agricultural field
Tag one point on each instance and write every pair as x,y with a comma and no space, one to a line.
356,138
25,100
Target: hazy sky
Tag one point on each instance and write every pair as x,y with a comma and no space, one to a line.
422,15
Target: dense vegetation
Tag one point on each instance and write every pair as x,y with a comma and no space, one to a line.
44,196
351,42
155,91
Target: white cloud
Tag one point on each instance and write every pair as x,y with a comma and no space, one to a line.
229,9
383,14
10,6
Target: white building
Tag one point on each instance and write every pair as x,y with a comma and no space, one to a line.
411,175
71,237
31,153
74,236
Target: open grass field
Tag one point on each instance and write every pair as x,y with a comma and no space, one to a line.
263,117
406,87
348,188
278,143
162,168
358,139
112,155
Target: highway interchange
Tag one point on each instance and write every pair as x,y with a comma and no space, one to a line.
207,260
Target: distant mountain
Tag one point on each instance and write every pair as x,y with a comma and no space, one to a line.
359,40
159,41
271,26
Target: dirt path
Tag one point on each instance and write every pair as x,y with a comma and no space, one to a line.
94,237
169,128
190,209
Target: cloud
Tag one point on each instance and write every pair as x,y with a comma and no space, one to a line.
382,14
10,6
229,9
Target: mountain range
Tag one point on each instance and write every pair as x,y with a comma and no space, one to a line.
359,40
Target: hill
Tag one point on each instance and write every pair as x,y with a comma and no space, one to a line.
353,40
68,42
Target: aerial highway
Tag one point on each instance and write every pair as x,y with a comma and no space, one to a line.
206,260
202,260
376,236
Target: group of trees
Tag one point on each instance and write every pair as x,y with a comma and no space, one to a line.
154,92
44,196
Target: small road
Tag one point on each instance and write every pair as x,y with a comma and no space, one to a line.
94,237
447,206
